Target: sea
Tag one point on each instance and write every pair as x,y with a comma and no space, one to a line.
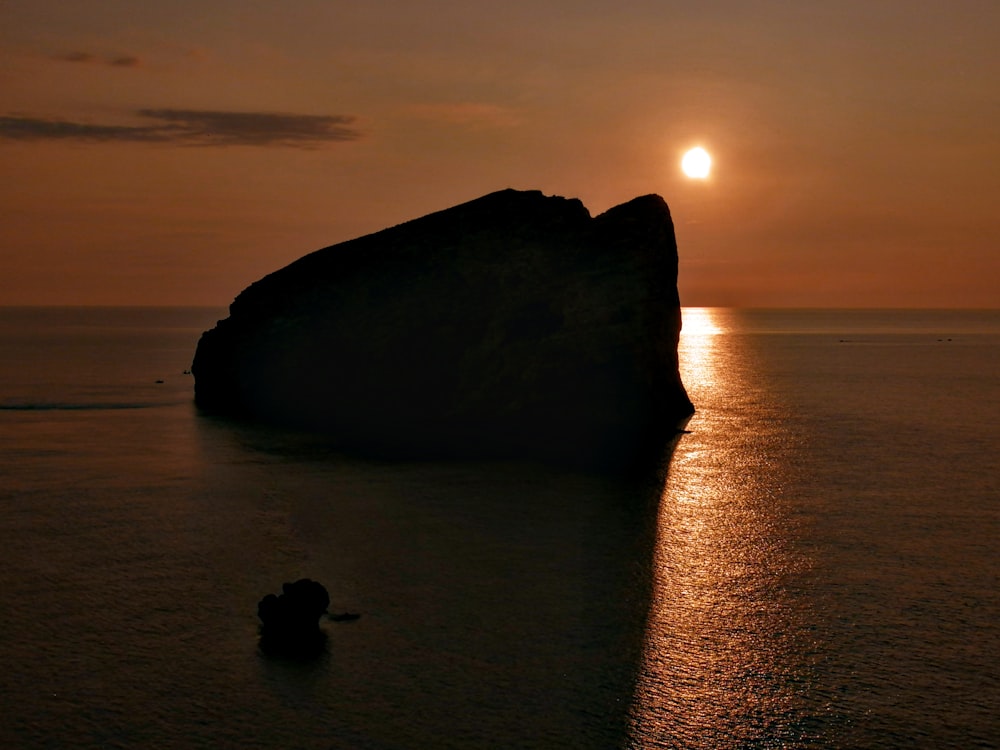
813,565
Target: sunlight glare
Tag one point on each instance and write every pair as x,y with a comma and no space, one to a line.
698,321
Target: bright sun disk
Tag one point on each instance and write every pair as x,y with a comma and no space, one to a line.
696,163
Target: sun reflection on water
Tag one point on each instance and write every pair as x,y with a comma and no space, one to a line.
696,348
716,670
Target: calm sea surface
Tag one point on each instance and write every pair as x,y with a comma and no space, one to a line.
816,567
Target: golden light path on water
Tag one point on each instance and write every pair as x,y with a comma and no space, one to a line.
723,660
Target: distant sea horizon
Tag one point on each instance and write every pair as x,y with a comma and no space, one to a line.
59,305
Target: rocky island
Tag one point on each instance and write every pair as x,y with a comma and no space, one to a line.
512,326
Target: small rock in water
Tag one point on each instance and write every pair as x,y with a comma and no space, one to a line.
290,621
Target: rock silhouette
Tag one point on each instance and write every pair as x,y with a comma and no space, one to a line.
290,621
515,325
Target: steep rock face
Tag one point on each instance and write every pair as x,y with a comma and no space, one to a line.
514,325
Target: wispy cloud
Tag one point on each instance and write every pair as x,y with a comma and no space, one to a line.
37,129
125,61
191,127
467,114
206,127
76,57
89,58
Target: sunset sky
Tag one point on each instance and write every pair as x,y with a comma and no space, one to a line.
173,152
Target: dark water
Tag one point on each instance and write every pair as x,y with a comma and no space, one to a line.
817,568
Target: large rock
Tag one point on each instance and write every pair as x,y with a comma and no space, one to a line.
514,325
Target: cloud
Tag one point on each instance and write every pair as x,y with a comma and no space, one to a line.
88,58
76,57
206,127
191,127
36,129
466,114
125,61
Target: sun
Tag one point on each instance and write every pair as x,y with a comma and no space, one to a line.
697,163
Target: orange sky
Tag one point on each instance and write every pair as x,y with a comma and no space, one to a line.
172,153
